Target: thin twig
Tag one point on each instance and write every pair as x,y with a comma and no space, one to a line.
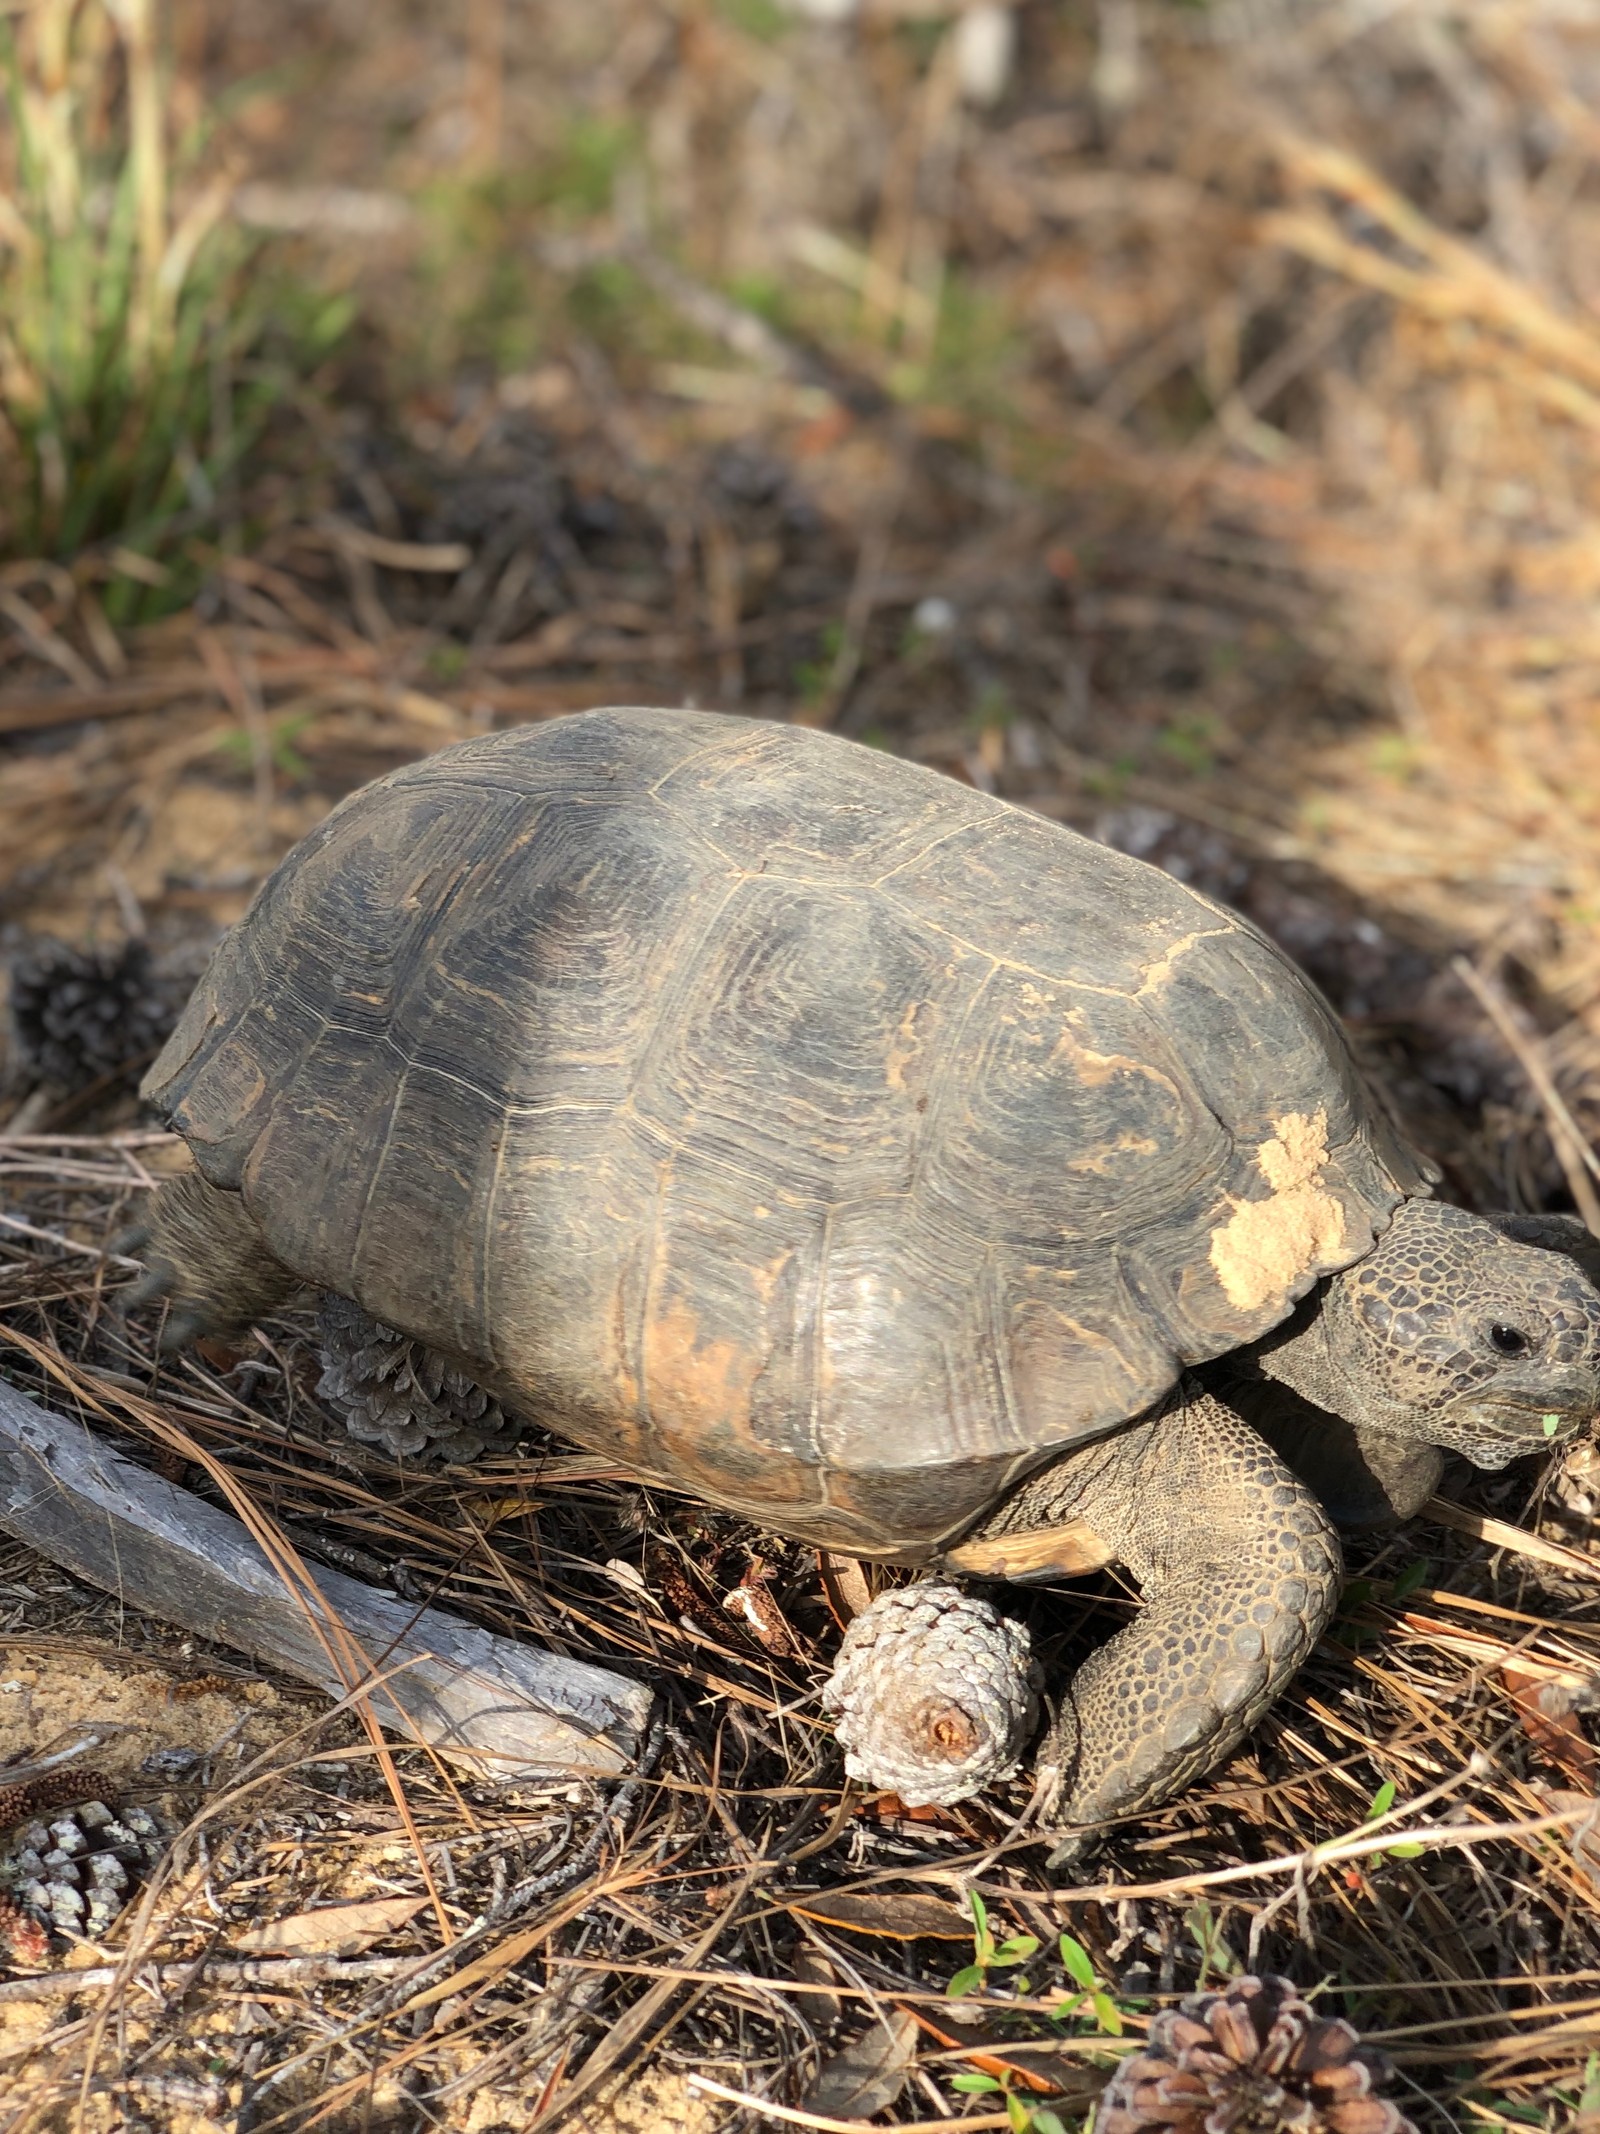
70,1244
160,1979
154,1138
791,2116
1442,1837
1501,1536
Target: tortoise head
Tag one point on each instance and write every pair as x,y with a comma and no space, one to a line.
1451,1333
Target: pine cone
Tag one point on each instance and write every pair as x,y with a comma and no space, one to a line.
82,1014
54,1789
77,1873
936,1693
398,1393
1254,2059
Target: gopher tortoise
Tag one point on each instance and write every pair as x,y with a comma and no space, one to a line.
829,1141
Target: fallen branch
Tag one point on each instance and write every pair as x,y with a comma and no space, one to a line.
502,1708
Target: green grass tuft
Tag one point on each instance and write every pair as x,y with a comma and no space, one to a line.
142,344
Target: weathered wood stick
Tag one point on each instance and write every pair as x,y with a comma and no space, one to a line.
501,1708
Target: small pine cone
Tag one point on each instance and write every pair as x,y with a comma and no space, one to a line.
936,1694
1255,2058
55,1789
82,1014
76,1873
398,1393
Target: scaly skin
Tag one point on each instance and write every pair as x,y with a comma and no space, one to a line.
1449,1333
1362,1479
1239,1567
1454,1332
204,1254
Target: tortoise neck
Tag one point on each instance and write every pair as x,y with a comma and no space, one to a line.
1300,1355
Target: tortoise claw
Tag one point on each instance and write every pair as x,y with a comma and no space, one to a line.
156,1286
1069,1852
204,1258
152,1287
182,1328
1053,1770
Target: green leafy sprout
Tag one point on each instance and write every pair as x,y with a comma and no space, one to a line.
1025,2116
1205,1931
1075,1961
1083,1986
1361,1593
1084,2001
239,747
1358,1593
989,1955
1191,741
993,708
813,679
1565,2110
1382,1802
1415,1575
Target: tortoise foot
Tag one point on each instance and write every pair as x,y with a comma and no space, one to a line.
936,1694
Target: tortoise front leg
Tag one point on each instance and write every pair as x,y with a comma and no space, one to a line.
203,1253
1239,1568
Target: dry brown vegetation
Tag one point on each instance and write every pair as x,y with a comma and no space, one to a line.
1201,443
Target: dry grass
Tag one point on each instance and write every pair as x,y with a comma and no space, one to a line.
738,1912
1234,386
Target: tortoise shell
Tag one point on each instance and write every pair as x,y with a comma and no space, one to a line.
801,1128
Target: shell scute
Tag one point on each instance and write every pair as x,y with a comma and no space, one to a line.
754,791
801,1040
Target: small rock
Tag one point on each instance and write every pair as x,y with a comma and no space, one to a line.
172,1765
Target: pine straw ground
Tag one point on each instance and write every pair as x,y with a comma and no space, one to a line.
1243,412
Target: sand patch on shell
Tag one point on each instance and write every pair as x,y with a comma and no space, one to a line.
1266,1247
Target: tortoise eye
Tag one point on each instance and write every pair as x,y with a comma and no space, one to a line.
1510,1340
